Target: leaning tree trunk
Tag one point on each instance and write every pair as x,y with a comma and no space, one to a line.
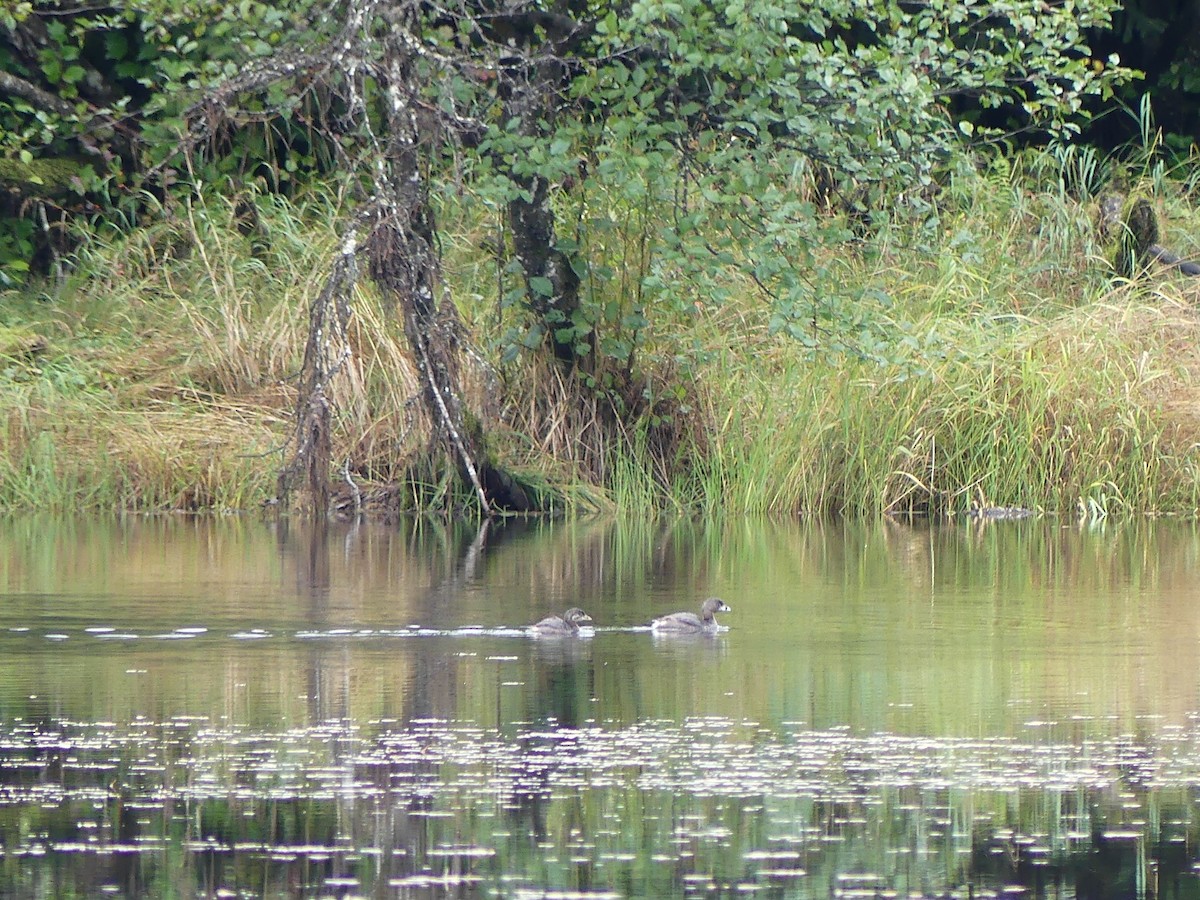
404,264
369,67
398,241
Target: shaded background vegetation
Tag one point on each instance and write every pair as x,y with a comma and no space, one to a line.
1160,38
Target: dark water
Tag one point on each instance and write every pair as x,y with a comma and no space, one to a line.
232,708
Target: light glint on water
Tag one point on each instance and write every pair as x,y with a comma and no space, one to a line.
203,706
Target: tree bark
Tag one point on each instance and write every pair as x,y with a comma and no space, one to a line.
325,352
532,89
405,266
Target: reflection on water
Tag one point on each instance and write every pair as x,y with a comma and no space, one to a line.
648,810
222,706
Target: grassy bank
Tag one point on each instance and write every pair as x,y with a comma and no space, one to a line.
1003,367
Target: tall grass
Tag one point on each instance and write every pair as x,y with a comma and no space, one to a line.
1075,413
165,381
1011,371
1022,376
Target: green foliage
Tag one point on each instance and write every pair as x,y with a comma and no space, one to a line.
692,153
727,118
699,147
1015,372
770,131
105,91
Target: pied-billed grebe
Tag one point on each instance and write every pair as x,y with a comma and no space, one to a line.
684,622
566,625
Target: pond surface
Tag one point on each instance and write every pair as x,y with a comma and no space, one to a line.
232,708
